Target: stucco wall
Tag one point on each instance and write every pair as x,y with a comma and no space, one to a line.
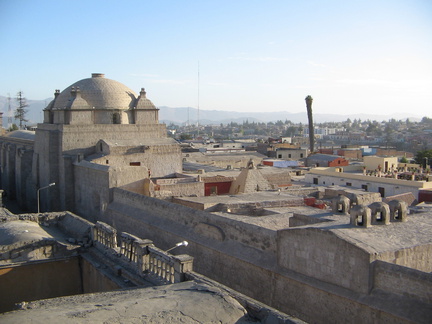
391,186
38,281
372,162
93,280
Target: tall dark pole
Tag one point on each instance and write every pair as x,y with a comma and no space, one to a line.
309,100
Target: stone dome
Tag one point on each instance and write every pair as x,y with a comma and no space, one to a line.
96,92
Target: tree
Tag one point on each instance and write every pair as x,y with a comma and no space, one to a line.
13,127
426,120
20,112
424,158
185,137
388,134
403,159
290,132
309,101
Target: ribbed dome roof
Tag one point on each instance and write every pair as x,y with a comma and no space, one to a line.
98,92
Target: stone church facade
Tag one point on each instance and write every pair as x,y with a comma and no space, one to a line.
97,134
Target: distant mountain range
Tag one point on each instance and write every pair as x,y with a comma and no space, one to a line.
189,115
182,115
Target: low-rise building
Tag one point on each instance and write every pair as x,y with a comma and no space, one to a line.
326,160
356,178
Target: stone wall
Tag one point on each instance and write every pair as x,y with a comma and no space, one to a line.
197,223
179,190
416,257
91,189
15,160
340,263
240,262
399,280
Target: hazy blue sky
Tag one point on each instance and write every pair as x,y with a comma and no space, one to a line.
351,56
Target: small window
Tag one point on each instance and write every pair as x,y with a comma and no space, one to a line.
365,187
135,163
116,118
315,181
381,190
106,162
301,155
289,156
349,184
279,156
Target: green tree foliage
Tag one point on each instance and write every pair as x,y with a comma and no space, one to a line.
184,137
374,128
423,157
13,127
403,160
426,120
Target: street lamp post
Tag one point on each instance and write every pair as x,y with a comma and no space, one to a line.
38,194
183,243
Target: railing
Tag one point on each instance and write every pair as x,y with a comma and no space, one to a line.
142,256
166,267
104,235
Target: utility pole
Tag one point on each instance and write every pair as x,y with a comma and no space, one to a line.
20,112
9,112
198,116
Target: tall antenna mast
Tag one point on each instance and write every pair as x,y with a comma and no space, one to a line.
9,112
198,98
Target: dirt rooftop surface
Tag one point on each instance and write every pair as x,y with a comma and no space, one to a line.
186,302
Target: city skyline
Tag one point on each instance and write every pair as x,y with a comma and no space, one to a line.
369,57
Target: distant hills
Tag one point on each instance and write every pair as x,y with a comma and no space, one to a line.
184,115
34,115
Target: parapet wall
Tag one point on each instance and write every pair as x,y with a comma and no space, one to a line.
322,255
403,281
197,222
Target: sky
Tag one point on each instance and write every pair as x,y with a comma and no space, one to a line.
370,56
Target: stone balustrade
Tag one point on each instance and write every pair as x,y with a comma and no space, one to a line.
104,235
166,267
141,256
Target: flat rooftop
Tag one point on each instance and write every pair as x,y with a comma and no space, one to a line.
376,238
186,302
